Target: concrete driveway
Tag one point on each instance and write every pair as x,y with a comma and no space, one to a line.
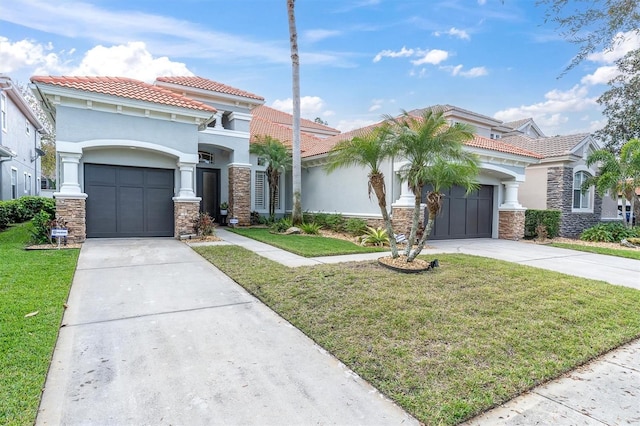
155,335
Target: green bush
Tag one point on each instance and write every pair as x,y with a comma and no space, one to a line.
335,222
355,226
281,225
42,224
17,212
550,219
34,205
375,237
5,215
24,208
310,228
609,232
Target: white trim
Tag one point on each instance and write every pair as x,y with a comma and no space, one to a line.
79,147
240,165
3,112
591,192
240,116
225,132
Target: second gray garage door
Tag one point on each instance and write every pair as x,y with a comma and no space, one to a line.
128,201
463,216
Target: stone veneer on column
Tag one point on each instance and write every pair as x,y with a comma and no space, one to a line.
185,214
511,224
240,194
402,218
560,197
73,211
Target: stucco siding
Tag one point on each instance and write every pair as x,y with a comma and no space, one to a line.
79,125
533,191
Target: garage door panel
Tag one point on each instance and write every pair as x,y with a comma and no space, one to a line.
464,216
128,201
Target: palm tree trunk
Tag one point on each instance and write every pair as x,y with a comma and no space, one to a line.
297,161
377,183
415,221
273,191
434,204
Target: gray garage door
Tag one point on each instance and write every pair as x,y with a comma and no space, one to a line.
128,201
463,216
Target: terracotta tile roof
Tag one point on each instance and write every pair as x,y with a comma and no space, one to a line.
125,88
262,127
498,145
206,84
281,117
477,142
547,147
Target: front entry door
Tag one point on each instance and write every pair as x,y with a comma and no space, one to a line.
208,188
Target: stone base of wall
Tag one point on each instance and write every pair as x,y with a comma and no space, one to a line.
184,215
240,195
572,224
74,212
511,224
402,218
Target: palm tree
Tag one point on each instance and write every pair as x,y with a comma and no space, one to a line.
368,151
296,215
617,175
278,158
435,156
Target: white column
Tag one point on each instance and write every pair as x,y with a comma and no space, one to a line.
218,116
70,164
511,195
186,191
407,199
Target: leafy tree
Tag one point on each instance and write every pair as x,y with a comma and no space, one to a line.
296,214
592,24
618,175
48,141
368,151
321,121
621,105
435,156
277,158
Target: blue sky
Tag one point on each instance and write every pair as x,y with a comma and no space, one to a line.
360,59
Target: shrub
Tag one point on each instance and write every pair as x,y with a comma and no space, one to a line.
355,226
281,225
310,228
5,215
335,222
375,237
534,219
610,232
17,212
33,205
42,224
204,225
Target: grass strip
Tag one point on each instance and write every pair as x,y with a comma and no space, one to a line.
629,254
30,281
306,245
449,344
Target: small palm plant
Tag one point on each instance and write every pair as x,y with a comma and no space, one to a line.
375,237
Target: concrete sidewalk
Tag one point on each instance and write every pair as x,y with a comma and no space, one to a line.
603,392
156,335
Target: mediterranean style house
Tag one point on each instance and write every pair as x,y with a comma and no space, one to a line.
139,159
20,151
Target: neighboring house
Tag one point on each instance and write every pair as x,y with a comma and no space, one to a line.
555,183
20,151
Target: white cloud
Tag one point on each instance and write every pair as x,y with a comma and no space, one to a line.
25,53
310,106
453,31
433,57
551,114
626,42
131,60
402,53
346,125
472,73
376,104
317,35
602,75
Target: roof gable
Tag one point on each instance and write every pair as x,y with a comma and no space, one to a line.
127,88
548,147
282,117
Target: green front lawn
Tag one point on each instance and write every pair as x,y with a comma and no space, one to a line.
30,281
306,245
621,252
448,344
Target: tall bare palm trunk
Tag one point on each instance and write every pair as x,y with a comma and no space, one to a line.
434,204
296,215
377,183
415,222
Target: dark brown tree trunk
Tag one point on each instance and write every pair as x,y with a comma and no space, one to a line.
377,183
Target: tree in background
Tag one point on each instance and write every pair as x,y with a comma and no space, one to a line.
278,159
621,106
368,151
296,215
592,24
321,121
617,174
